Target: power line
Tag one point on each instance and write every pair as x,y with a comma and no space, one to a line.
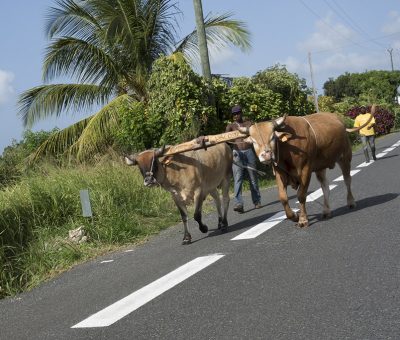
363,41
331,28
351,21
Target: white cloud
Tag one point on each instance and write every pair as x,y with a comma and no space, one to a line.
6,89
334,51
393,24
327,36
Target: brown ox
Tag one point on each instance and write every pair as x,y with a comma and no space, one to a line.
299,146
190,177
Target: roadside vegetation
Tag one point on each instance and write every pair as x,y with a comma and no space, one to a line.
149,98
37,213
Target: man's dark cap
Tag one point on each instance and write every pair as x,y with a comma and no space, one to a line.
236,109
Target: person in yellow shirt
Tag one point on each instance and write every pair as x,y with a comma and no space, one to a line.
368,132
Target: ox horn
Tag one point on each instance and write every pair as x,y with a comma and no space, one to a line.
279,121
160,151
130,160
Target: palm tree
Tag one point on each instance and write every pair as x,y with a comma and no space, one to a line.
108,47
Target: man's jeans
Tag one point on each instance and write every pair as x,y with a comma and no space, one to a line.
245,158
370,140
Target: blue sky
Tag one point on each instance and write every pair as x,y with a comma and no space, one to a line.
341,35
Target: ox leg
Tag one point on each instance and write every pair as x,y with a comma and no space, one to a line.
187,238
321,176
345,165
225,185
198,202
302,196
215,195
282,189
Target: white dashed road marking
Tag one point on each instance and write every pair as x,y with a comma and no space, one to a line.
262,227
123,307
352,173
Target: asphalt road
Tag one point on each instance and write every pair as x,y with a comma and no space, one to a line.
263,279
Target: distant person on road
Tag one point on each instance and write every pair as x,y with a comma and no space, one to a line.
243,156
367,133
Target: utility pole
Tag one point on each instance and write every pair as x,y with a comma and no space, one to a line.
390,50
201,36
312,82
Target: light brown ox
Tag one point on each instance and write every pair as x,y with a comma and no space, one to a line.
190,177
299,146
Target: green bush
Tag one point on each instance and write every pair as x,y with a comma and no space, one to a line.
13,157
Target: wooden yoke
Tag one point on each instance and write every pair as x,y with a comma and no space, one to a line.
202,142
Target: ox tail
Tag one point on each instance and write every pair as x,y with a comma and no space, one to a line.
373,109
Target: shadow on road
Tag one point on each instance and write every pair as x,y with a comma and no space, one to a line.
360,204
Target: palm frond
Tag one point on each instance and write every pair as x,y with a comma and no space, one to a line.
221,31
97,135
86,137
80,59
72,18
51,100
60,141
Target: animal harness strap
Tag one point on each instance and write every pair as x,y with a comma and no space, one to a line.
315,135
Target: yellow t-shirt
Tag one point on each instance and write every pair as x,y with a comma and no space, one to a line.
362,119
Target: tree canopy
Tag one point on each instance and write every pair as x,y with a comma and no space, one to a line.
368,87
108,48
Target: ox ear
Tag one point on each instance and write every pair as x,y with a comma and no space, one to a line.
283,136
279,121
130,160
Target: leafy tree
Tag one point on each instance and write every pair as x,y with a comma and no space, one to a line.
326,104
293,90
12,159
377,87
258,102
177,108
109,47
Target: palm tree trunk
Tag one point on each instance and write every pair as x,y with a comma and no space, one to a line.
201,36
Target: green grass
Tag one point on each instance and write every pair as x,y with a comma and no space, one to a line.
37,213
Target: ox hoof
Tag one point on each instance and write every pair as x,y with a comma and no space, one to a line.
222,225
302,224
352,206
186,241
295,217
203,228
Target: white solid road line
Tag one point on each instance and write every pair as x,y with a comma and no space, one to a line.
128,304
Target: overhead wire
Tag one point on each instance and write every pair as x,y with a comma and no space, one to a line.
352,22
329,26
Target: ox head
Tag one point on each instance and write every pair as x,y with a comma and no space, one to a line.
264,136
148,164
